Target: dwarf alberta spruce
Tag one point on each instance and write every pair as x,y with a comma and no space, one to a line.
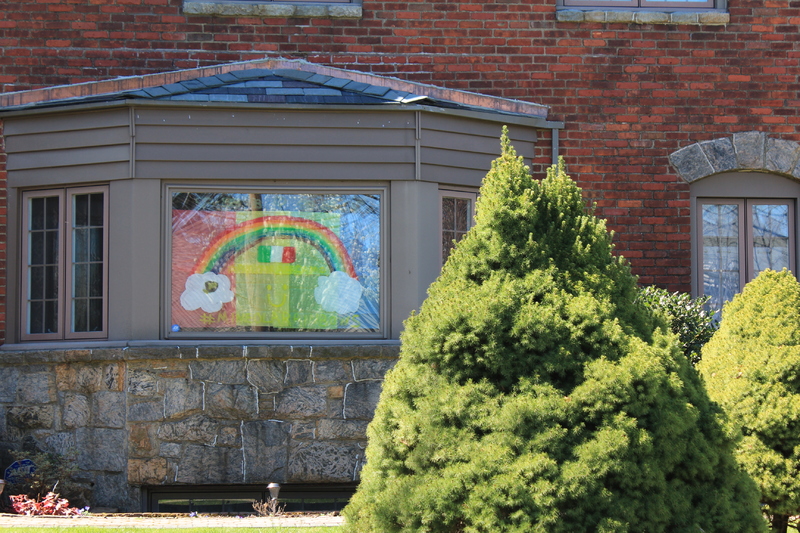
752,369
533,394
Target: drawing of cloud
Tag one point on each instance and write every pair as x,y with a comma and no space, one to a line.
206,291
338,293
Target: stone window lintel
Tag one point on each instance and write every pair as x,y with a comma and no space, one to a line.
233,8
706,18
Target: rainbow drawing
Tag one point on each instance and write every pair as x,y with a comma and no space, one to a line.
242,237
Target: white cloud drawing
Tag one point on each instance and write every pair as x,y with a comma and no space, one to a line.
338,293
206,291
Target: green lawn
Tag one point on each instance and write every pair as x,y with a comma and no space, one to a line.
89,529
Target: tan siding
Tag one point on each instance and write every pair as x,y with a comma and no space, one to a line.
266,144
40,177
312,171
68,147
67,122
459,151
63,158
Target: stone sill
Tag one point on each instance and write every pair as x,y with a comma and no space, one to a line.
707,18
272,9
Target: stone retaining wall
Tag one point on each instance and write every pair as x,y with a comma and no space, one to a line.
194,415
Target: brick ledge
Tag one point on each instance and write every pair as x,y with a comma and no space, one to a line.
235,8
707,18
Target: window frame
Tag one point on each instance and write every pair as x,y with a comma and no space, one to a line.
65,242
383,285
470,195
746,254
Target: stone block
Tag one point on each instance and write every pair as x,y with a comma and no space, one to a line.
345,11
140,441
298,373
750,148
77,356
651,17
303,430
238,402
197,429
30,417
302,402
108,354
266,375
720,154
170,450
569,15
220,352
310,11
9,377
62,443
364,369
209,464
342,429
360,399
228,372
324,462
102,449
265,450
76,412
683,17
229,436
781,156
691,163
335,407
336,352
147,471
35,387
112,490
113,377
182,397
620,17
594,16
135,353
142,383
145,411
108,409
333,371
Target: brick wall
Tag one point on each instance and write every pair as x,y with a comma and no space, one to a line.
629,94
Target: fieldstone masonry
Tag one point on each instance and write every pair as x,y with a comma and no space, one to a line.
195,415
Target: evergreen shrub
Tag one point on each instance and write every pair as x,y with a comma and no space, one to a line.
752,369
534,394
687,318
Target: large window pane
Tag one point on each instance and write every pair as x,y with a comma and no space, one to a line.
42,265
275,262
721,265
770,237
87,261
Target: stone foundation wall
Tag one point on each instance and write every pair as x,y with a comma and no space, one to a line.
194,415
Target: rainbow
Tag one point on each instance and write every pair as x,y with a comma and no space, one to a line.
244,236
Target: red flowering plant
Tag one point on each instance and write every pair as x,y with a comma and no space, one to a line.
51,504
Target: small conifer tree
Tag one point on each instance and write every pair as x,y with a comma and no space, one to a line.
752,369
534,394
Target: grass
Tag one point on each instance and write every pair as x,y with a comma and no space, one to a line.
138,529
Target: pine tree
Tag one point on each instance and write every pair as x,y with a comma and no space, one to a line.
752,368
534,394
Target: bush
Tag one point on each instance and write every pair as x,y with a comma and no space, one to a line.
752,369
534,394
54,472
686,317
